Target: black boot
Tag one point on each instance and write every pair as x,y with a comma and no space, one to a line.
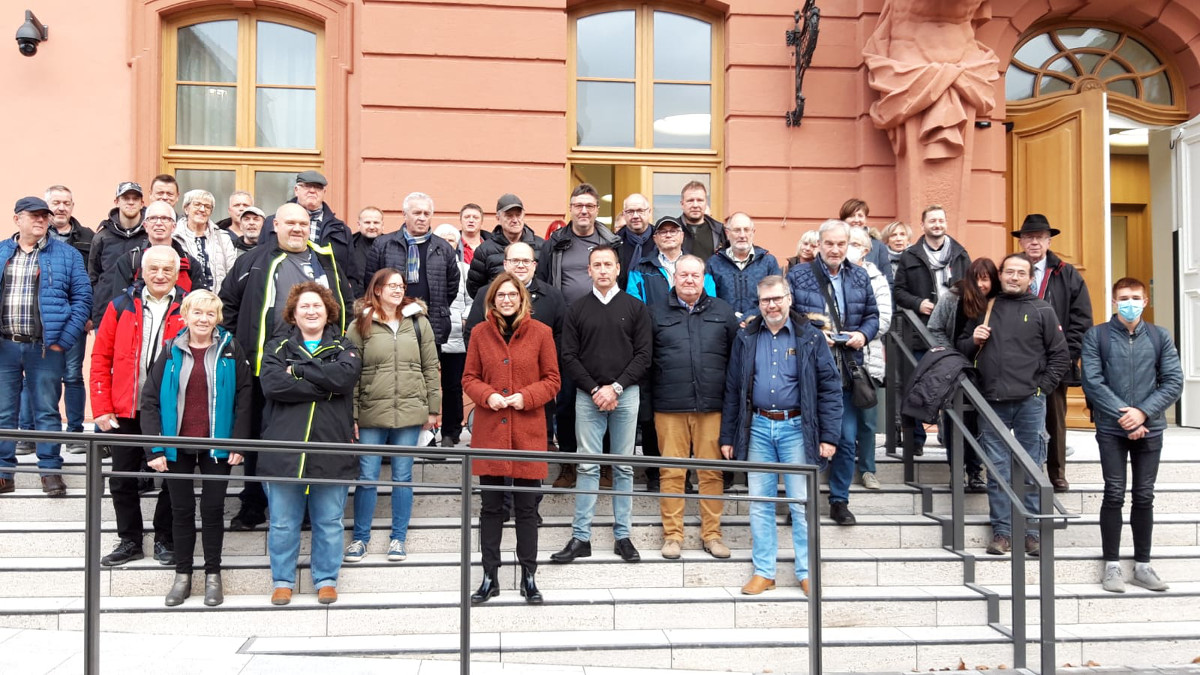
529,589
489,589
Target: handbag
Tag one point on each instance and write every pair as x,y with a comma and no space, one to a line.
860,383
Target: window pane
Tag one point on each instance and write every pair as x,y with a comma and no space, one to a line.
219,182
602,177
1126,87
682,116
1074,38
286,55
286,118
1063,65
1018,84
1051,85
1157,89
208,52
604,45
1037,51
1088,61
206,115
605,114
667,188
684,48
1112,69
1138,56
273,188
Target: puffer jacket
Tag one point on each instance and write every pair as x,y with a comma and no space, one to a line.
1126,379
314,402
862,313
334,235
440,269
820,386
487,261
400,384
218,248
549,267
873,354
110,244
117,353
64,296
737,286
230,393
691,354
460,309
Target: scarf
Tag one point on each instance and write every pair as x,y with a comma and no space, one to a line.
314,224
638,240
894,259
938,261
413,263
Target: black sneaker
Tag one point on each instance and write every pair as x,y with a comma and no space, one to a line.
840,513
145,485
247,519
164,553
976,485
126,551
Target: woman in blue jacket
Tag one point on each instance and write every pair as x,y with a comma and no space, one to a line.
198,387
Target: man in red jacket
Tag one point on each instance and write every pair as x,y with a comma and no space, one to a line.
136,326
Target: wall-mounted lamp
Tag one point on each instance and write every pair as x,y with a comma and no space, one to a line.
31,34
804,39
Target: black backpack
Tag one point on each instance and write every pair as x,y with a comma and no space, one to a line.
931,386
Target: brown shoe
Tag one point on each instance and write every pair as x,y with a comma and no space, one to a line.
716,548
53,485
804,586
327,595
1061,485
281,596
606,478
566,477
757,585
7,485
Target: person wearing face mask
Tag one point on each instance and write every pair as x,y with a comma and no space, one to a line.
1131,376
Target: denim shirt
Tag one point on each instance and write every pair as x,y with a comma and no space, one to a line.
776,371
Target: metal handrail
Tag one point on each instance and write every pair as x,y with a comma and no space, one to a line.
94,490
900,363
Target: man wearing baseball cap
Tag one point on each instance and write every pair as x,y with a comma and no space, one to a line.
250,223
117,235
45,300
324,228
488,261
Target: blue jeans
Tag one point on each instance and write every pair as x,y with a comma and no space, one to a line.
865,436
326,506
1027,419
777,441
841,465
370,466
73,390
42,373
590,424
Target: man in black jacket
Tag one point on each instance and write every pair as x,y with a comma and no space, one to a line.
488,258
693,335
370,228
703,235
325,228
1061,285
116,235
635,236
924,275
1019,350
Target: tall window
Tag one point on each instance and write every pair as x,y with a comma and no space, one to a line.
645,92
242,96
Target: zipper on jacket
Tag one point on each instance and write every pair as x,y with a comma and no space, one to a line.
262,317
312,409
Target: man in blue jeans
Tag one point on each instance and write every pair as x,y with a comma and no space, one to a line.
783,403
45,300
607,340
1021,354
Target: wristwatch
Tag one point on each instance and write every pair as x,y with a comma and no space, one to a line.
618,388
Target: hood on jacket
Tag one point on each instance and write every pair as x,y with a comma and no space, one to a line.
113,225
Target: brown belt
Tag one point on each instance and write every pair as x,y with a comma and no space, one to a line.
777,415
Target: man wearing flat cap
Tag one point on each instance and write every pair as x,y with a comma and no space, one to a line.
1060,284
324,228
45,301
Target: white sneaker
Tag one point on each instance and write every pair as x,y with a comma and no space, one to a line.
356,551
1113,580
1147,578
869,481
396,551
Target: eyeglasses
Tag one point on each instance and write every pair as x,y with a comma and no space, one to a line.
158,219
585,207
773,300
519,262
394,287
508,296
202,206
311,187
637,212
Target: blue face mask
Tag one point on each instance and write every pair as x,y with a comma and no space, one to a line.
1130,310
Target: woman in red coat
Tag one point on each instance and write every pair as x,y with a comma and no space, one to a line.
511,374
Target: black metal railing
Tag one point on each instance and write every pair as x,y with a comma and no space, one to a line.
95,472
901,361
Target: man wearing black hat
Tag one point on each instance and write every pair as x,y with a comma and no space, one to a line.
325,228
1061,285
45,300
488,259
116,236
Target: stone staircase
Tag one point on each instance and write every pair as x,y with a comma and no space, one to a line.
893,597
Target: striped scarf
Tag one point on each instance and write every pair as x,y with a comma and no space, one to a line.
412,269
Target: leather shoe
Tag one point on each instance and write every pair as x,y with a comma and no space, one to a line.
53,485
529,589
804,586
1061,485
757,585
717,548
214,592
327,595
840,513
180,590
281,596
246,520
625,549
576,548
7,485
488,589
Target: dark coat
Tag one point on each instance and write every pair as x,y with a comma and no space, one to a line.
1026,354
862,314
716,241
820,386
336,235
548,307
528,365
691,354
739,287
550,261
1068,295
1126,378
362,248
931,386
110,243
914,280
487,261
81,237
314,402
129,268
440,268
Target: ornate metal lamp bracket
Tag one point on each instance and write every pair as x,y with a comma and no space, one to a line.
804,39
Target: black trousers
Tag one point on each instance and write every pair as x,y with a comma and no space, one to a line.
183,509
564,415
127,503
1116,453
452,392
253,497
1056,426
491,523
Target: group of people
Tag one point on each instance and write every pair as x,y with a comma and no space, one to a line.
292,328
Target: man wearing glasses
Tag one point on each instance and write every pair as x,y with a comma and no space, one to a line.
488,259
783,403
635,235
564,265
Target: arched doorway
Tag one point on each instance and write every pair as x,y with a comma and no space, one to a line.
1082,101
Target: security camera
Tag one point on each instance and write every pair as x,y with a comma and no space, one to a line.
30,34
